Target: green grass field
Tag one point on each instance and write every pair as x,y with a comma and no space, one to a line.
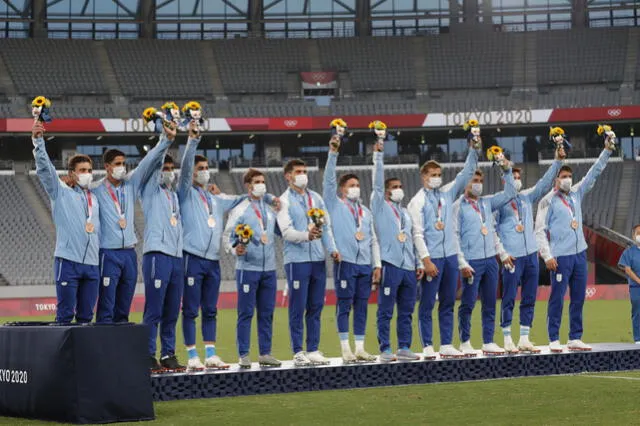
587,398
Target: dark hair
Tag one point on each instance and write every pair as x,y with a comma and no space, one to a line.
635,227
250,174
431,164
200,158
479,172
565,169
111,155
346,178
76,159
516,170
387,182
288,168
168,159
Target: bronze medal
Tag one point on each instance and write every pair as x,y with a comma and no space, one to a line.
89,227
402,237
574,224
173,221
484,230
519,228
439,225
264,239
122,222
359,236
211,222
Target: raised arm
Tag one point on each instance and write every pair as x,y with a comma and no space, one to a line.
586,184
541,228
150,163
465,175
186,168
328,241
329,181
289,233
377,199
501,198
229,202
544,185
415,211
45,169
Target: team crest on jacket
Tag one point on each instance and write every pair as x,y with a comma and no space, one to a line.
296,285
343,283
191,281
387,291
63,283
157,283
245,288
106,281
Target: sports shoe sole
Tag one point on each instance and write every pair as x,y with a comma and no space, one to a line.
402,358
263,365
452,356
174,370
244,367
195,370
512,352
320,363
485,353
578,349
529,351
429,358
556,351
372,359
223,367
469,355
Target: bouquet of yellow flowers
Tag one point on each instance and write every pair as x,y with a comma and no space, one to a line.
192,111
380,132
171,112
152,115
496,154
609,136
40,109
339,128
317,216
558,138
473,127
243,233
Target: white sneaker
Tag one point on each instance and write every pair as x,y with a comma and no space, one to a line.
194,364
491,349
347,356
215,362
448,351
577,345
365,356
509,346
467,350
525,346
301,360
316,358
555,347
429,353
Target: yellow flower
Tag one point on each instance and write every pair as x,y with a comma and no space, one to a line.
378,125
149,114
191,105
602,128
493,151
169,105
469,124
338,122
41,101
239,229
555,131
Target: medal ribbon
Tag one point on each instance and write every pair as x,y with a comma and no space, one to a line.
205,200
356,216
570,207
475,207
171,199
89,205
257,211
116,202
306,207
400,218
515,205
438,209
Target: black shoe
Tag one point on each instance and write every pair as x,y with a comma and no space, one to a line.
170,362
154,365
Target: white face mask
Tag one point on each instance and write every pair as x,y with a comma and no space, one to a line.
84,180
397,195
435,182
353,193
301,181
518,184
638,238
168,177
119,172
476,189
565,184
259,189
203,176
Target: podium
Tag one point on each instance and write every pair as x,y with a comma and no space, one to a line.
75,373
